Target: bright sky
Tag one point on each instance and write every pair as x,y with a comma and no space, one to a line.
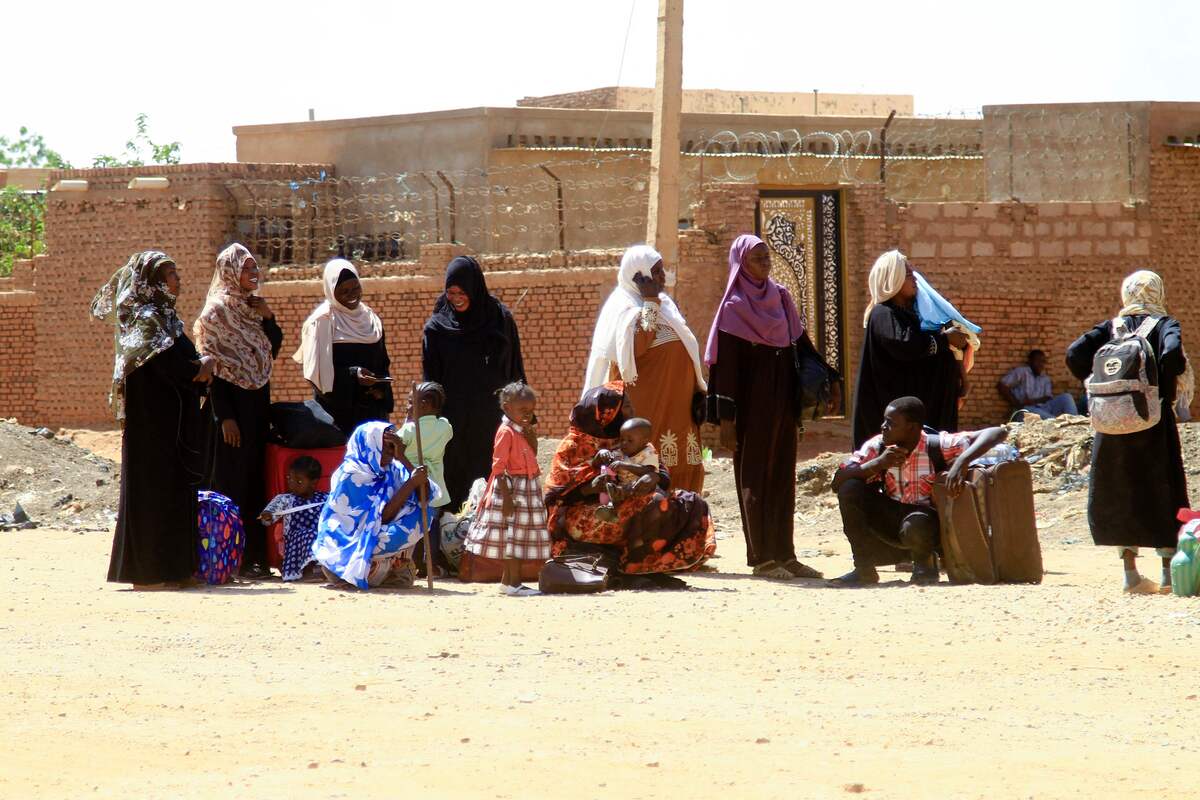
78,73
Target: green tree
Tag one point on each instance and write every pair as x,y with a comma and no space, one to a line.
141,150
23,213
29,150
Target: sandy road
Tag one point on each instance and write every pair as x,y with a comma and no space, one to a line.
736,688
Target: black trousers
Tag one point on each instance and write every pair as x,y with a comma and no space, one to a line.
882,530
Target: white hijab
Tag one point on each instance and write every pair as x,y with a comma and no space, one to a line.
612,341
886,279
332,323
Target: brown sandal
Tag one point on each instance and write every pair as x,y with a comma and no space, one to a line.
802,570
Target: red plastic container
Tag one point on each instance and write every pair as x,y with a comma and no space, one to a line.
277,461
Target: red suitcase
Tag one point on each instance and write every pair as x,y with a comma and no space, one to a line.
277,461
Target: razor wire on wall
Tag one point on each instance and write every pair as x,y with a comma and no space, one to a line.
542,198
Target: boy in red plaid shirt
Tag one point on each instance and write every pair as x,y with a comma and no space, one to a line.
885,491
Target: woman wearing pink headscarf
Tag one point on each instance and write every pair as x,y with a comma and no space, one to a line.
752,375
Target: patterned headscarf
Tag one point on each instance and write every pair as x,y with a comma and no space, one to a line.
143,311
596,422
1144,292
229,330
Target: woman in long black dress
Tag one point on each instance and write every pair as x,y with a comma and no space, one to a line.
470,346
901,360
344,353
752,372
238,329
1137,485
157,380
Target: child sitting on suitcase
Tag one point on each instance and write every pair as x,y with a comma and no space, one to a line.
634,458
426,406
299,527
885,491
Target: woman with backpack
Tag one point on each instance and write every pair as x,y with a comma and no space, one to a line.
1137,484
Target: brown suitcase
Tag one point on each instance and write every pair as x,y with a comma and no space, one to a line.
478,569
1016,551
966,552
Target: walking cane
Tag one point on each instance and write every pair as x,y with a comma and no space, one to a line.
424,498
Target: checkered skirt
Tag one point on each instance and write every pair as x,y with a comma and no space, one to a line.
525,536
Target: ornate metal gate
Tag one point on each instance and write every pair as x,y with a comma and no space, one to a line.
803,230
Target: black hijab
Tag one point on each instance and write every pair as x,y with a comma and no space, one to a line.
484,317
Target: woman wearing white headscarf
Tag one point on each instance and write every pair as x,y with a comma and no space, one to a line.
643,340
1136,484
899,359
344,353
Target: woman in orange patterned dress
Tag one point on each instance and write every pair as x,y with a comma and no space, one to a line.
642,340
649,539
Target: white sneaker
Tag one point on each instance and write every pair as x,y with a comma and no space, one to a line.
518,591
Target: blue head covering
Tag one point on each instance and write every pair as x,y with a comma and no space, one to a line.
351,530
935,311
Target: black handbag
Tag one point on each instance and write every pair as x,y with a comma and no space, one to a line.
700,408
304,426
573,575
814,383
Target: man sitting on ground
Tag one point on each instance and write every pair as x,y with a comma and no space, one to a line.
1028,388
885,491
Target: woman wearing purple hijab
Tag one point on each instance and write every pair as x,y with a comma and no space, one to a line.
752,374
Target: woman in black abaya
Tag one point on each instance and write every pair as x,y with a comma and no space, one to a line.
237,328
1137,482
157,380
901,360
470,346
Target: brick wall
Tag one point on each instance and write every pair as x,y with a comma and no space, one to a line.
555,310
1032,275
90,234
18,378
64,360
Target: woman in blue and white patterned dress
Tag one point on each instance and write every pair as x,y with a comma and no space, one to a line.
372,519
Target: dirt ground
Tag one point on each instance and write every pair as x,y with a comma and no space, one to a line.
736,688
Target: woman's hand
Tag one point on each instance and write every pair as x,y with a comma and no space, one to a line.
205,373
231,433
957,339
728,435
419,478
260,305
365,376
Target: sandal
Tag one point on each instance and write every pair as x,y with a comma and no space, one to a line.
802,570
773,570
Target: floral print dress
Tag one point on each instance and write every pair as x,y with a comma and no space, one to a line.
351,534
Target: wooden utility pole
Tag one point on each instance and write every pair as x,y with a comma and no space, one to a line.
662,228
